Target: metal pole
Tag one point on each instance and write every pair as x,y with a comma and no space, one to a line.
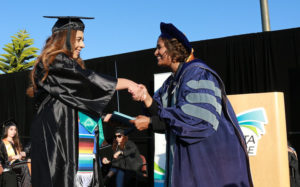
116,74
264,8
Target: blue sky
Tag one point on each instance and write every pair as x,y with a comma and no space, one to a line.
133,25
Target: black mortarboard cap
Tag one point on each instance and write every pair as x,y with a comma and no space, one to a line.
10,122
168,30
6,124
68,22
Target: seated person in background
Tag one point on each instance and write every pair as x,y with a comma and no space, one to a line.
11,156
126,159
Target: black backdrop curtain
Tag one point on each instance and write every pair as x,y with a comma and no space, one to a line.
251,63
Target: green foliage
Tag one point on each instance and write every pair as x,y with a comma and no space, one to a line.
20,56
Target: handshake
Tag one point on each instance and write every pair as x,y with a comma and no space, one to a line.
139,92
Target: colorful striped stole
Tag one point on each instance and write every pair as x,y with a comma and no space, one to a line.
87,142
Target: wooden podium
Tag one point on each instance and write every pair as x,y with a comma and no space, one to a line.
262,119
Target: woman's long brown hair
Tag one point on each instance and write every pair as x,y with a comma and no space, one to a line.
16,139
122,144
55,44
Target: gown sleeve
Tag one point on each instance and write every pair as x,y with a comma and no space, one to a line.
197,112
157,125
78,88
3,155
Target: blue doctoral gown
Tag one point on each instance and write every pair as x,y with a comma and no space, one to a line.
205,145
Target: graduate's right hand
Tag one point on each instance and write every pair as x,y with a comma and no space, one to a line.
107,118
141,122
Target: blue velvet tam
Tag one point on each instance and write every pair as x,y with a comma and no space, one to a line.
169,31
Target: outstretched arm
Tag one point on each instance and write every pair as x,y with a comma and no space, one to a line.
125,84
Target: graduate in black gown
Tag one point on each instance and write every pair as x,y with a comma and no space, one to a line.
61,87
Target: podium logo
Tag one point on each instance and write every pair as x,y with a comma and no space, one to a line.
252,123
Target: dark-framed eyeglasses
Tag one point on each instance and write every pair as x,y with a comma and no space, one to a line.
118,136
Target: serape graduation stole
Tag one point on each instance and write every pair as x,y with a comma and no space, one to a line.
87,141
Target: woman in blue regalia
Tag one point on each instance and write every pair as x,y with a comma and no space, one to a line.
205,145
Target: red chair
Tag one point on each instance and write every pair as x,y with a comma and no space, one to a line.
142,176
144,166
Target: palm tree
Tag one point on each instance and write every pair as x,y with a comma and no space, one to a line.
20,56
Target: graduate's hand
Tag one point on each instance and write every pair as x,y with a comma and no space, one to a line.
19,157
16,157
23,154
141,122
107,118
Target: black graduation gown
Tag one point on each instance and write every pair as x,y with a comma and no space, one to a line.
54,133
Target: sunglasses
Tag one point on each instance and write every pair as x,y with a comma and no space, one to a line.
118,136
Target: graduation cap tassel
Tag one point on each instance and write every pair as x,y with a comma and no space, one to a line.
68,42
